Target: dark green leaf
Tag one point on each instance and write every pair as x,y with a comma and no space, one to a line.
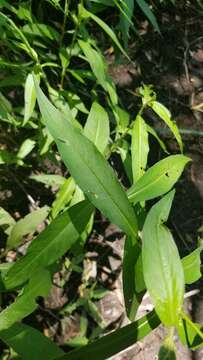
81,156
191,266
50,244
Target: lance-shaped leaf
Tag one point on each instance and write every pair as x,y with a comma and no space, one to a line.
63,196
162,268
139,148
165,115
158,179
25,303
29,97
191,265
87,14
29,343
50,244
97,127
88,167
117,341
26,225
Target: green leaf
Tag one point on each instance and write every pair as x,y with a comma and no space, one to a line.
51,243
25,304
6,221
189,336
29,98
29,343
63,197
97,127
81,156
162,268
26,225
25,148
42,30
49,179
125,19
99,69
191,266
158,179
139,148
161,143
165,115
133,284
167,350
117,341
148,12
86,14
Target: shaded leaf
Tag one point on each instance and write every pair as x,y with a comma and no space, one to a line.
25,304
50,244
189,336
29,98
26,225
148,12
29,343
117,341
63,197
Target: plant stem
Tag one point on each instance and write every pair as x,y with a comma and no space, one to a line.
191,323
66,10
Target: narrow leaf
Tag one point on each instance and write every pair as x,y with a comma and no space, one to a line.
29,98
158,179
139,148
50,244
86,14
63,197
82,157
165,115
148,12
189,336
162,268
117,341
25,149
26,225
97,127
6,221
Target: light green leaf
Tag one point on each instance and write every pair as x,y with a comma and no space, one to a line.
29,98
63,197
81,156
25,304
118,340
26,147
148,12
86,14
29,343
139,148
162,268
6,221
49,179
97,127
165,115
51,243
26,225
191,266
158,179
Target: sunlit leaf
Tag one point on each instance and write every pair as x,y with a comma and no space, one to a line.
162,268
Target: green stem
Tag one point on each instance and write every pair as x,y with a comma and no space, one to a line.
191,323
66,11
